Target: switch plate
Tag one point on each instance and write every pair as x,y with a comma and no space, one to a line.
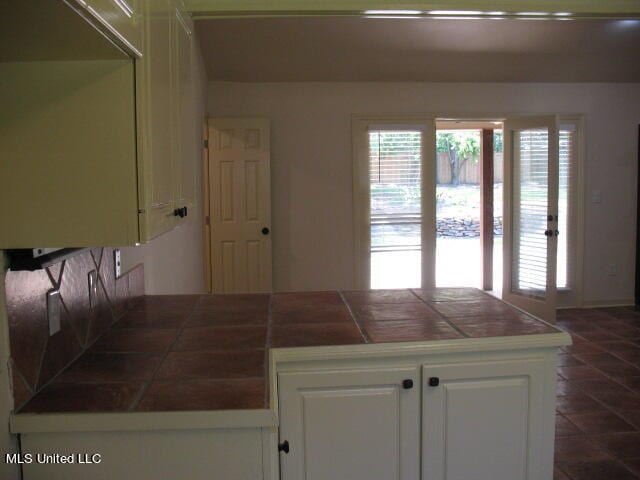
117,261
54,310
596,197
613,269
93,288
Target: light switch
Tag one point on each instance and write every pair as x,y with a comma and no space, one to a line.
596,196
93,288
54,310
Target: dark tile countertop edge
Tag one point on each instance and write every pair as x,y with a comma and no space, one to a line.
288,320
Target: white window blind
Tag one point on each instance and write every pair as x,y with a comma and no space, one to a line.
395,178
567,162
530,212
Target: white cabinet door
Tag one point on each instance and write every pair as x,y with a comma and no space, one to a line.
350,424
486,421
184,119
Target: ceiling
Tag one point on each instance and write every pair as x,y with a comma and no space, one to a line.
420,49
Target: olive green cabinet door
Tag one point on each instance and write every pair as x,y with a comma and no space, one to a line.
184,113
155,129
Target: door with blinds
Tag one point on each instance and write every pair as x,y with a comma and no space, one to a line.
531,214
394,165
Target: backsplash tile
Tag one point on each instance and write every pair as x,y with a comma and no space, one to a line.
74,289
36,357
28,326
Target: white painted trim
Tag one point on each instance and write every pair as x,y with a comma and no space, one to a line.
140,421
624,302
434,347
357,7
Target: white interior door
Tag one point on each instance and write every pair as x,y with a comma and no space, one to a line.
531,214
240,196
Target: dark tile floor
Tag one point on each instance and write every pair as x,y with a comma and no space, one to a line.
598,408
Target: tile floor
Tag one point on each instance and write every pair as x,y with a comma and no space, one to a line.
598,408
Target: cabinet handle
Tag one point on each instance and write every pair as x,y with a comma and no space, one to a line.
434,381
407,384
181,212
284,446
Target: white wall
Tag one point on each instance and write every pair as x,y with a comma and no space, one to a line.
312,165
173,262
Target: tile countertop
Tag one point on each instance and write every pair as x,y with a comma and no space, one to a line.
209,352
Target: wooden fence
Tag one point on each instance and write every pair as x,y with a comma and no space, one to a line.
470,173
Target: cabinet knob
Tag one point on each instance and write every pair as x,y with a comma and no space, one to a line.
434,381
284,446
548,233
407,384
265,231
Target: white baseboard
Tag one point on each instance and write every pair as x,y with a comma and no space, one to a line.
625,302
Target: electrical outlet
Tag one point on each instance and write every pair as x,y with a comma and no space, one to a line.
93,288
117,261
613,269
54,310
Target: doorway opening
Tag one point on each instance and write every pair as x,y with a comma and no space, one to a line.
469,170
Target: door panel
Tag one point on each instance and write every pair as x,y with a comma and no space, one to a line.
483,421
240,194
531,214
357,424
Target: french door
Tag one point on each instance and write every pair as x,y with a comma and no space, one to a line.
394,194
531,214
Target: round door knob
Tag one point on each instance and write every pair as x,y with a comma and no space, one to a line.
265,231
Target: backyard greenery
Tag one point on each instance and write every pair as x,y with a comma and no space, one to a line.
460,145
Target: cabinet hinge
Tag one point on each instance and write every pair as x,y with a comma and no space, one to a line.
206,144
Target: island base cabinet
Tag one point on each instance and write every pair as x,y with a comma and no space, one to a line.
220,454
356,424
487,421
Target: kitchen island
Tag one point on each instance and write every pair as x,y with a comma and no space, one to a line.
401,384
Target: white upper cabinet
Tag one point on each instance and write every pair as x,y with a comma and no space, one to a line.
184,115
167,125
120,19
99,144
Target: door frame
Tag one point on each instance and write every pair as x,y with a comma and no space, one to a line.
572,297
